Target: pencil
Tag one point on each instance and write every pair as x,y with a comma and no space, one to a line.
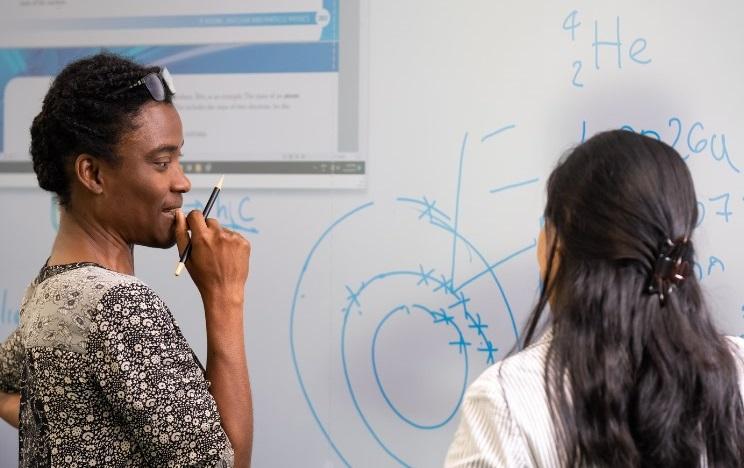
205,212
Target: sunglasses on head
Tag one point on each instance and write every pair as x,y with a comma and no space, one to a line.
159,84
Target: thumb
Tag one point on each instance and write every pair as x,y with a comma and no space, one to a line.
182,234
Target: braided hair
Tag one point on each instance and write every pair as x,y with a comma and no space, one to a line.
83,113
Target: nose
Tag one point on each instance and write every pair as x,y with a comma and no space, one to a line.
181,183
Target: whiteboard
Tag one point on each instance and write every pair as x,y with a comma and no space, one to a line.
369,311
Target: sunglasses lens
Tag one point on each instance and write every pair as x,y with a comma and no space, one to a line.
155,86
168,79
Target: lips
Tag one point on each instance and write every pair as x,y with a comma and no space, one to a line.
171,211
172,207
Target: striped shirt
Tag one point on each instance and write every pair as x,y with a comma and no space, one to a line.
506,418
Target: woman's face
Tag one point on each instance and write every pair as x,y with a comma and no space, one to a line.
143,190
542,249
544,240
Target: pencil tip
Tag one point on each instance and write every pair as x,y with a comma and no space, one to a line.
179,268
219,184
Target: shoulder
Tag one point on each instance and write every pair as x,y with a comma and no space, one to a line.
128,296
81,287
61,305
515,389
131,305
106,292
737,344
522,371
503,420
103,280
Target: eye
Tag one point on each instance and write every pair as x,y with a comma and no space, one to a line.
162,164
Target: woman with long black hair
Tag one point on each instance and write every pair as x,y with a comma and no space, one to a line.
631,371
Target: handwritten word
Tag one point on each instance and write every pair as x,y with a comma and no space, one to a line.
721,205
7,315
635,52
720,202
232,214
708,268
687,140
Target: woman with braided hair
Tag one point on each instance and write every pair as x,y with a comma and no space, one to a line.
98,372
630,371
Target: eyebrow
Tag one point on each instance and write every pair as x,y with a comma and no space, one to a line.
163,149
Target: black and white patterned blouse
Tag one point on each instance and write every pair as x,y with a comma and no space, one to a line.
106,377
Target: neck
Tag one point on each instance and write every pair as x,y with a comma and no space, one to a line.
83,239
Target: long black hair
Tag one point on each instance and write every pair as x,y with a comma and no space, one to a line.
633,379
83,113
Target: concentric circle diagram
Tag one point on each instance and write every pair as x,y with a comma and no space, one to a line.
387,326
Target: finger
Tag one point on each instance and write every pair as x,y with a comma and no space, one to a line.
213,224
247,244
182,234
241,239
195,220
229,232
235,236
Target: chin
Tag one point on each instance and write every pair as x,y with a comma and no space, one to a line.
167,244
160,243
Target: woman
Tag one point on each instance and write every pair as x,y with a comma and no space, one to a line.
631,371
105,376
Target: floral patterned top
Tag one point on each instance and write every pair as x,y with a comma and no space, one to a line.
106,377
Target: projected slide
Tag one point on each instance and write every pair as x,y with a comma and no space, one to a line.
269,91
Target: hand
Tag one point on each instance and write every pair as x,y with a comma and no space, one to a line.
10,408
219,258
219,267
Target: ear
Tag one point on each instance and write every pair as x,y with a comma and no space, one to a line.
87,170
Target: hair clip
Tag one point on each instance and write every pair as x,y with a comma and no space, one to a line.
670,269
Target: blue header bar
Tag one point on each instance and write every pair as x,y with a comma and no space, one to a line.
301,18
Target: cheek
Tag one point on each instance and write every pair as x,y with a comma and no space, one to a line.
141,202
541,253
149,196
